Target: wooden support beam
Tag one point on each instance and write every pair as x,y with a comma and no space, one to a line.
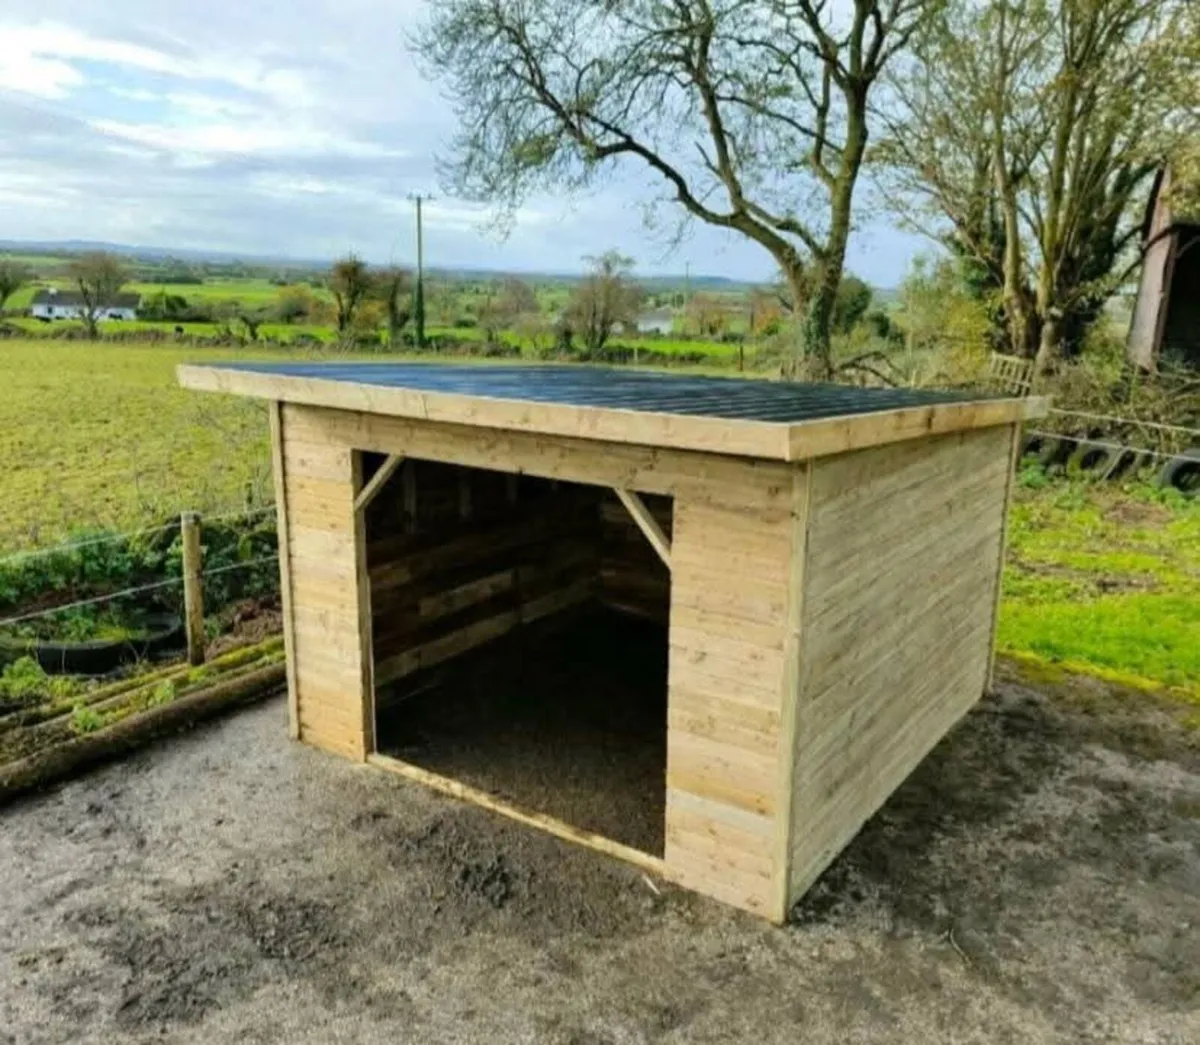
376,483
646,523
282,528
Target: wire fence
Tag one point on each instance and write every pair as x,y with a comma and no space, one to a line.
193,565
141,589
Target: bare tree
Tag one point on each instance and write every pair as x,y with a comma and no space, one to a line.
350,283
13,276
1027,128
605,298
505,305
753,113
99,277
395,291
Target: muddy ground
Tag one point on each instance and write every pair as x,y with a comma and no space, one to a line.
562,727
1037,880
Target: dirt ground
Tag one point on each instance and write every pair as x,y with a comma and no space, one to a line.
1037,880
575,726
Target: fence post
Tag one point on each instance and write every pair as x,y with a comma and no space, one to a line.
193,588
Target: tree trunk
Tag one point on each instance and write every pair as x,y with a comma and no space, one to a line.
1049,345
818,324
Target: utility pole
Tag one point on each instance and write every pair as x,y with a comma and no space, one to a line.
419,289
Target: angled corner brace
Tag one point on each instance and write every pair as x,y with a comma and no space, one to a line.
646,523
376,483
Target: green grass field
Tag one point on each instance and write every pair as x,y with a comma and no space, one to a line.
250,292
1106,577
100,436
1102,577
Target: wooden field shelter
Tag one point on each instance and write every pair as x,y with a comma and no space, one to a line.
824,562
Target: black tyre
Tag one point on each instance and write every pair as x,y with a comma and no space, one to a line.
99,657
1091,457
1182,472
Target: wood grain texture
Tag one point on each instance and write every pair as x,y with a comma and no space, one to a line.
283,533
646,469
465,564
325,589
727,690
898,593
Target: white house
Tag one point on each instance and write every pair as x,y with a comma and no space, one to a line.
660,321
53,303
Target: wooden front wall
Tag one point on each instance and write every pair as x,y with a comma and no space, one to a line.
828,621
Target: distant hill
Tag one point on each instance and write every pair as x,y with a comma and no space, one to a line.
276,263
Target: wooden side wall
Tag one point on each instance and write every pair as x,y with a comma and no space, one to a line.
896,616
731,677
329,644
633,578
461,556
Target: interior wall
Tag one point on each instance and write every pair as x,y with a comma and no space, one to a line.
633,579
458,557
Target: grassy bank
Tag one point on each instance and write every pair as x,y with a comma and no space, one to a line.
1105,578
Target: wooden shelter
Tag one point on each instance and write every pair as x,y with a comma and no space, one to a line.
1165,326
826,561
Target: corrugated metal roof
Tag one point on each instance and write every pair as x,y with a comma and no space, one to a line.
623,389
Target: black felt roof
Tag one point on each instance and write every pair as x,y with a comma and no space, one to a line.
622,389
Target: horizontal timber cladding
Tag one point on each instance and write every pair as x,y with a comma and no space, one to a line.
329,645
460,556
731,674
896,614
633,579
741,484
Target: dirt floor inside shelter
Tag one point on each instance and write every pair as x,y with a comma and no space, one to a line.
1037,880
568,719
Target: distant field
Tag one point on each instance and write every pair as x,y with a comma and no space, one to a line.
274,331
100,436
250,292
288,332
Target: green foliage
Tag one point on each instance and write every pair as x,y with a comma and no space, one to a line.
161,694
85,720
851,304
24,682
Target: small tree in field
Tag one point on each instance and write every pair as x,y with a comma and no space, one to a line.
13,276
395,292
350,283
707,315
506,305
99,277
606,297
294,303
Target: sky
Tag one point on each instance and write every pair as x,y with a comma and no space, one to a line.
297,129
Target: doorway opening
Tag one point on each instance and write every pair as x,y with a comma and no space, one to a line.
519,644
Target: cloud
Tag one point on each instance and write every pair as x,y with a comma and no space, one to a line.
37,75
300,131
256,136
